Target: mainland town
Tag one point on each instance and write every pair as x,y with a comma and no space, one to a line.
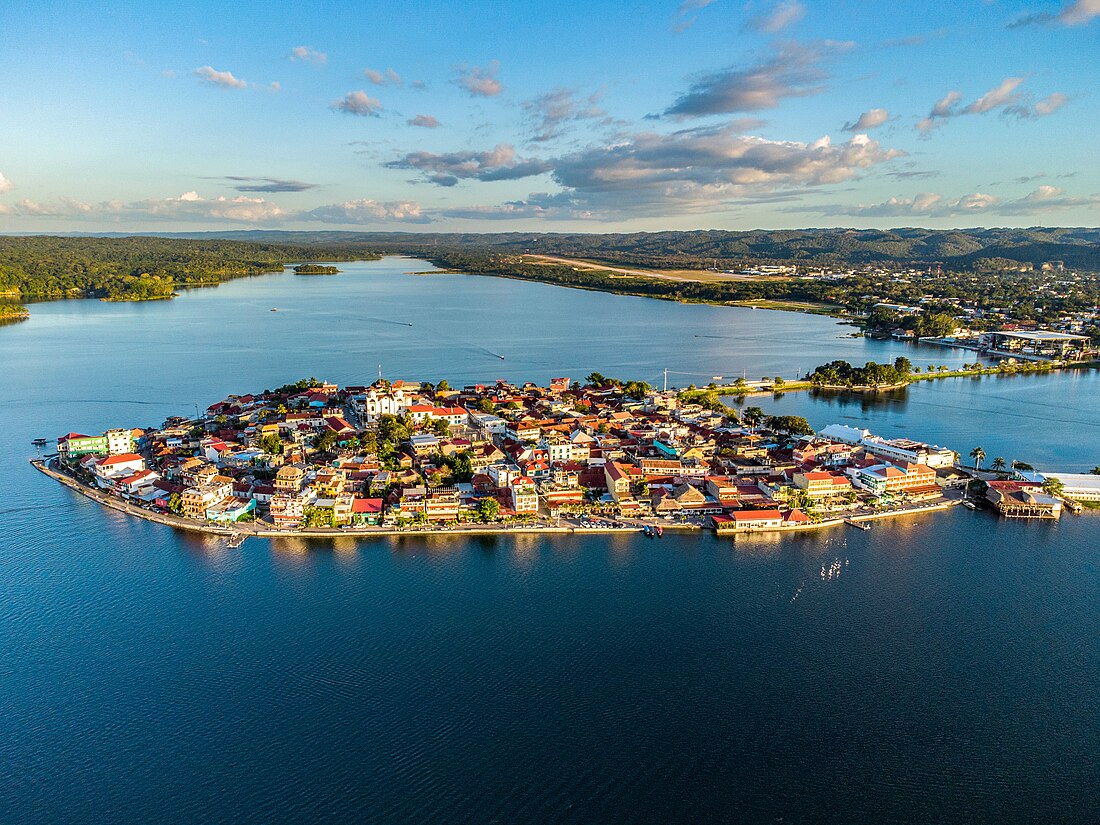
312,457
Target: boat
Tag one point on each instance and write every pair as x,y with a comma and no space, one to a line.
274,309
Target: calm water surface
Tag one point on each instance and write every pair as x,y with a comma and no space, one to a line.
949,674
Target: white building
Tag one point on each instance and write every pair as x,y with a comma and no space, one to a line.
119,441
374,403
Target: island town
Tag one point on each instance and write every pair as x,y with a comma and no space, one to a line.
315,458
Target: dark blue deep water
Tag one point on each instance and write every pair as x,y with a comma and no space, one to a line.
949,674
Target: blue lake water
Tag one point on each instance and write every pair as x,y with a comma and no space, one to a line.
949,674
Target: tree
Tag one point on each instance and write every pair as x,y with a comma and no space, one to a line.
903,365
789,424
440,427
978,454
752,416
485,405
325,441
175,503
442,386
1054,487
1095,471
488,509
998,464
272,444
778,381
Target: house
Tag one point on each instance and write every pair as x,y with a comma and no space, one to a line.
366,511
287,510
230,510
821,484
289,479
74,445
1017,499
618,480
195,501
117,467
525,498
137,483
749,520
119,441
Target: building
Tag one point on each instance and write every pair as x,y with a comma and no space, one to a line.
195,501
1041,343
287,510
74,445
525,498
117,467
375,403
747,520
119,441
1076,486
289,479
902,450
1016,499
821,484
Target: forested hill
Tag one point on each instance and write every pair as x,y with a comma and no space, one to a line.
955,249
141,268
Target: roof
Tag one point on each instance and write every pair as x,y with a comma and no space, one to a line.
1042,335
366,505
757,515
123,458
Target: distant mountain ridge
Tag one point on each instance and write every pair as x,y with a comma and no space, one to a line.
1077,247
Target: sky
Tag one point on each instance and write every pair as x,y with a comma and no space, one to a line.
591,116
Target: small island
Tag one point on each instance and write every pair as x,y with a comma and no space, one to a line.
12,313
313,458
315,269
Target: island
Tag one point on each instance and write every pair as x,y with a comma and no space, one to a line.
392,457
315,269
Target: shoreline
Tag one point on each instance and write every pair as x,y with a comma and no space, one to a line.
253,530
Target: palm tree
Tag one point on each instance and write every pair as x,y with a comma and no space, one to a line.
978,454
998,464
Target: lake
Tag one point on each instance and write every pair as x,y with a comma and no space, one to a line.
948,674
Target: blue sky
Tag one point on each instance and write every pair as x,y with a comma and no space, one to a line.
594,116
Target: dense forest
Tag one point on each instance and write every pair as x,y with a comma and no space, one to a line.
140,268
955,249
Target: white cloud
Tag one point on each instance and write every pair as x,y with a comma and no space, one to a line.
307,54
192,208
366,212
777,18
1003,95
384,78
933,205
223,80
1076,13
480,81
871,119
793,71
424,121
5,184
358,103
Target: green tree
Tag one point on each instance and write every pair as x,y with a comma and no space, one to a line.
488,509
326,441
485,405
175,503
272,444
789,424
998,464
752,417
1095,471
1054,487
903,365
978,454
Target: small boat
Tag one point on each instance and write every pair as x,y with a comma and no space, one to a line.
274,309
